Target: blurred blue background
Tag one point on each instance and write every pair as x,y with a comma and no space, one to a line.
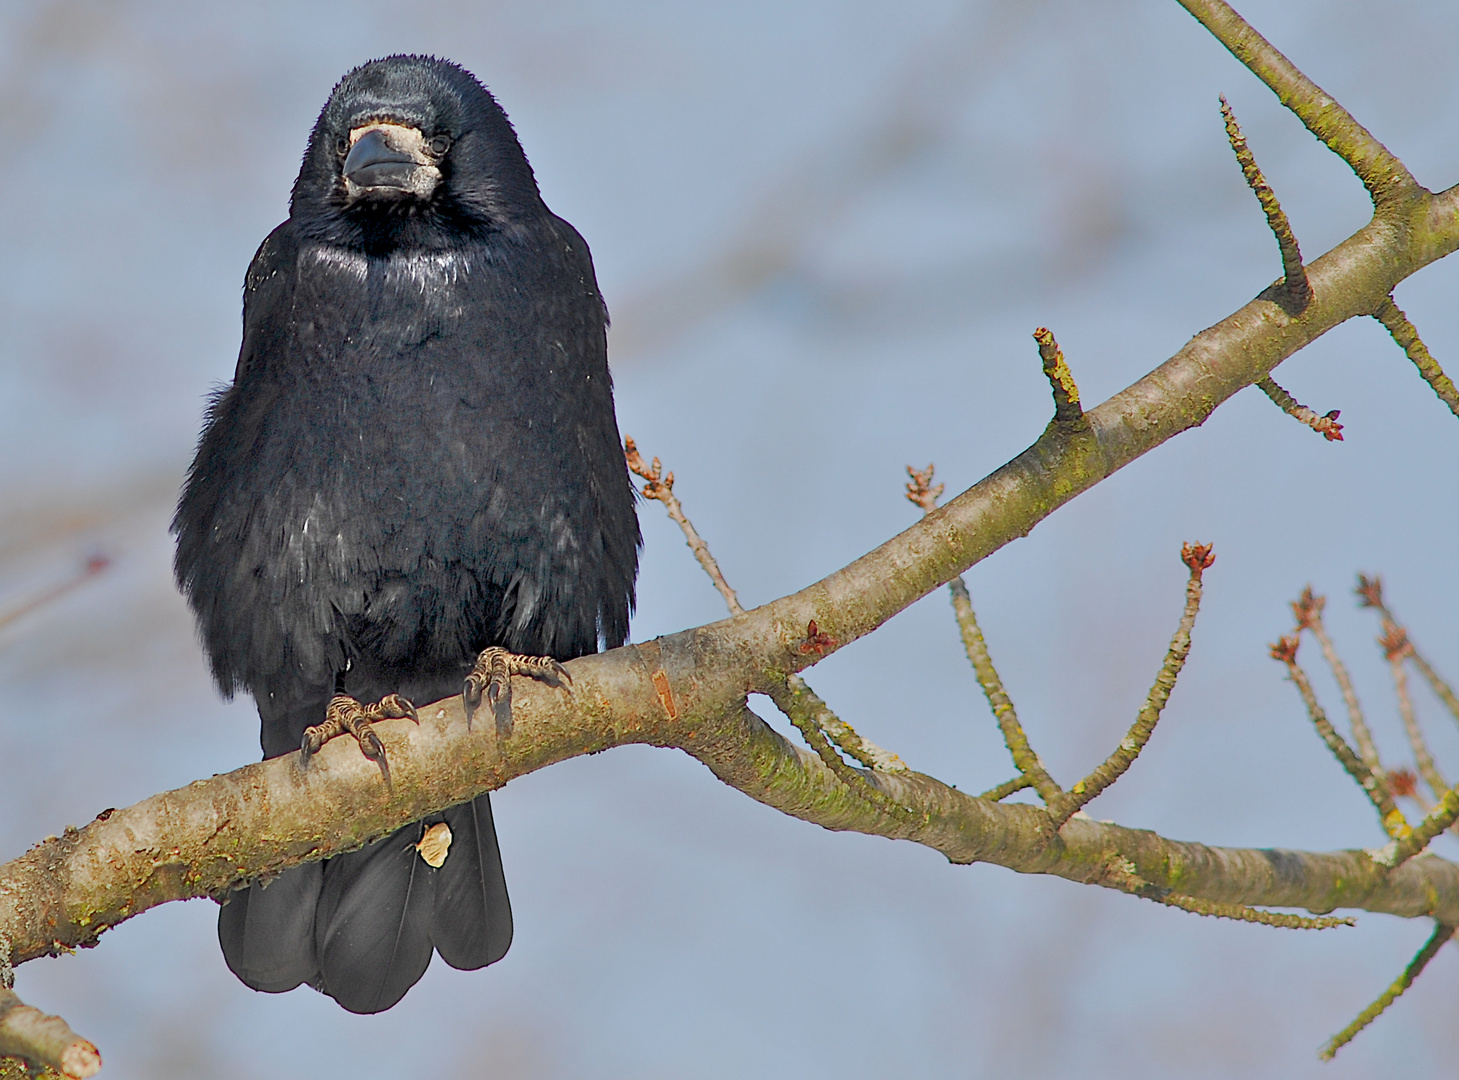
826,230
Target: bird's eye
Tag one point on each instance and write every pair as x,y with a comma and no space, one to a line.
440,144
341,145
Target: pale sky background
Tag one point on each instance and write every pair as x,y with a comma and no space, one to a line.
826,230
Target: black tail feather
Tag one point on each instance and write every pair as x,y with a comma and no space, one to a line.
472,926
267,930
373,923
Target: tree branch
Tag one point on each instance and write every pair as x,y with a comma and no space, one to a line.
1381,172
213,834
46,1042
66,891
688,690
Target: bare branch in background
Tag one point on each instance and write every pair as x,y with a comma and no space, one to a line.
1385,177
1370,595
89,569
1395,648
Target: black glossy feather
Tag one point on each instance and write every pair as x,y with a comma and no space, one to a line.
417,458
473,870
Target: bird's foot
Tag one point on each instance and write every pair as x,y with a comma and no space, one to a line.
492,677
345,714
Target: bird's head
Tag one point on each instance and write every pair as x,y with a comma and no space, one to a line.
411,151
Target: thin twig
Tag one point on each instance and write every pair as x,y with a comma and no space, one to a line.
1442,690
1241,913
1198,558
1067,410
1024,757
1296,291
800,696
660,487
1406,335
806,718
809,707
1307,610
89,569
921,492
1121,874
1381,172
1396,647
1442,934
1392,819
44,1041
1370,594
1326,426
1007,788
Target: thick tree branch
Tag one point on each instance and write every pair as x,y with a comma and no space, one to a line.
688,690
267,816
208,836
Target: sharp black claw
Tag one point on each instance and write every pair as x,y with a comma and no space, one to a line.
564,678
470,699
499,697
372,747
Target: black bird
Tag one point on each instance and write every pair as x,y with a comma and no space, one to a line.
414,484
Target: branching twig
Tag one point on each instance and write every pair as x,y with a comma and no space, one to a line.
44,1041
1326,426
1404,332
1391,817
798,701
1295,292
1441,935
1381,172
1198,558
807,716
921,492
1370,594
660,487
